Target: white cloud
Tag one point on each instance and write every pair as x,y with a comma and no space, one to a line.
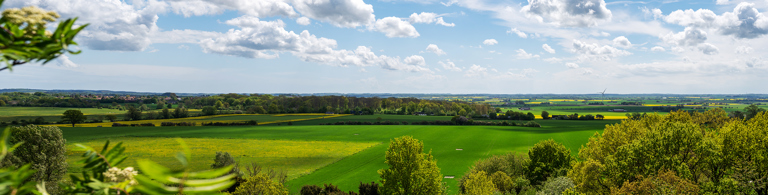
434,49
521,54
395,27
745,22
429,18
622,42
476,70
415,60
571,65
342,13
722,2
490,42
182,36
267,39
658,49
262,8
744,50
517,32
448,65
568,13
63,60
553,60
114,25
708,49
303,21
596,52
689,37
548,48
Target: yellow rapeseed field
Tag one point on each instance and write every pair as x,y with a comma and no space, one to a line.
295,157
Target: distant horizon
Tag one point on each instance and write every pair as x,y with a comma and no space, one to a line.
299,93
409,46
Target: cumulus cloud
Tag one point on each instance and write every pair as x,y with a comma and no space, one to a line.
548,48
448,65
658,49
415,60
553,60
568,13
521,54
267,39
64,61
744,50
745,22
722,2
395,27
341,13
572,65
622,42
429,18
517,32
688,37
114,25
596,52
476,70
490,42
303,21
434,49
262,8
709,49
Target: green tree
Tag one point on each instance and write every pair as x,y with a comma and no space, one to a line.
160,105
752,110
180,112
73,117
503,182
223,159
44,147
410,171
111,118
556,185
165,113
548,159
478,183
209,110
24,37
133,114
462,112
219,105
2,103
544,115
169,106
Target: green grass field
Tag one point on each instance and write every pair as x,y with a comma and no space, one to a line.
477,142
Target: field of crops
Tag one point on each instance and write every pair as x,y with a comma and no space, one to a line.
227,118
293,156
477,142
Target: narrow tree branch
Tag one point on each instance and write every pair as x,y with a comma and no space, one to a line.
15,63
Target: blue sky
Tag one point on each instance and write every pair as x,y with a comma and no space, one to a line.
409,46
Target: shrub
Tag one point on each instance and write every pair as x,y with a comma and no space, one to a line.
262,182
368,189
120,125
223,159
666,182
478,183
44,147
556,186
502,182
531,124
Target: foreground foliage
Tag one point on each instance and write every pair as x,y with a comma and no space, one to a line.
411,171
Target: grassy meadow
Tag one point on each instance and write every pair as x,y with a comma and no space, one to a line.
477,142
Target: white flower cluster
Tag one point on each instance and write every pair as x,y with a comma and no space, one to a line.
34,17
114,174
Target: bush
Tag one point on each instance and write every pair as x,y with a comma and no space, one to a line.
368,189
223,159
120,125
171,124
478,183
311,190
531,124
328,189
44,147
556,186
262,182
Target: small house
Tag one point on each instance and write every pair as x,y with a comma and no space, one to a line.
525,108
